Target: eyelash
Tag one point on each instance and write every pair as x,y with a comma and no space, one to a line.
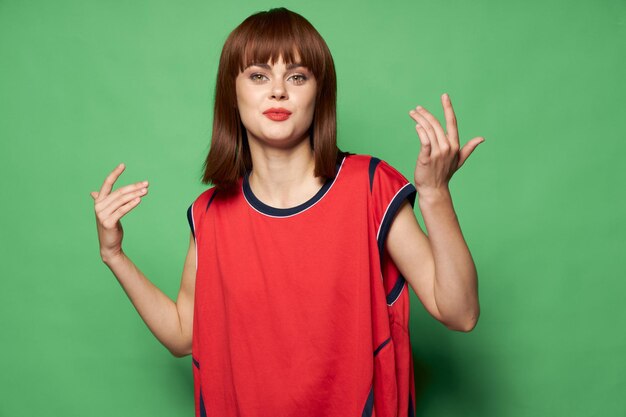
302,78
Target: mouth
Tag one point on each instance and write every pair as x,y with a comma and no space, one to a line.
279,114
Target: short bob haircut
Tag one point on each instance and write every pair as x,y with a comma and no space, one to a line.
265,37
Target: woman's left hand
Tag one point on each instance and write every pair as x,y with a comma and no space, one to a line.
439,156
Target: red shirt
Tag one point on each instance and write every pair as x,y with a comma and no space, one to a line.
301,311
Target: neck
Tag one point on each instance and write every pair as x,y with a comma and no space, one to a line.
283,177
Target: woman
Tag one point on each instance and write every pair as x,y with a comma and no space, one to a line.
292,300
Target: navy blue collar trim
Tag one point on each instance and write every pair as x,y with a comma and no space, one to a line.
261,207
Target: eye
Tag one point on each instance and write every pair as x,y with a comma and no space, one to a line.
257,77
298,79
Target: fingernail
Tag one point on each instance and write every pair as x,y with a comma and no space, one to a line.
445,96
145,183
419,107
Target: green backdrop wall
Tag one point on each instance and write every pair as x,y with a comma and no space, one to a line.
85,85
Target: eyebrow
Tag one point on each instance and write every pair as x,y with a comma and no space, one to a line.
267,66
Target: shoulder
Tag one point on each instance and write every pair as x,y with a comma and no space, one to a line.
201,203
199,206
360,162
204,197
373,168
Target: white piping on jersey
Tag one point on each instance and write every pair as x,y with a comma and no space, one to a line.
387,209
378,234
399,293
291,215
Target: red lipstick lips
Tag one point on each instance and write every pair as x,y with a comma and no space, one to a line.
277,114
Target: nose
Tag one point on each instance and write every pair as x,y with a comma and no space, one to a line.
278,90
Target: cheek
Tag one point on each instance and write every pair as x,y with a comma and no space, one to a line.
246,115
242,101
311,107
307,100
307,112
243,95
246,106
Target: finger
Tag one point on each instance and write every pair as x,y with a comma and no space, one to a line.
121,211
436,129
427,128
451,124
94,195
110,180
103,204
120,201
467,150
425,149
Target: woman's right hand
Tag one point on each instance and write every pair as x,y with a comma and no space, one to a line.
110,207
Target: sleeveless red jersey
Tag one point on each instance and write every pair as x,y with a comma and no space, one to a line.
300,312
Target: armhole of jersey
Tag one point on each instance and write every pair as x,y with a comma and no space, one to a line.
192,225
195,213
191,221
407,191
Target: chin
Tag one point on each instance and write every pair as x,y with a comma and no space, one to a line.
283,141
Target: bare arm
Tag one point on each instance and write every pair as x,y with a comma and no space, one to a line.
439,267
171,322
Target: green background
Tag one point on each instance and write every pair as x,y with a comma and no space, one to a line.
85,85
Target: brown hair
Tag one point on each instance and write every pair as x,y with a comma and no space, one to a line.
263,37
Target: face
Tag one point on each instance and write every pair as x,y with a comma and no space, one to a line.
276,102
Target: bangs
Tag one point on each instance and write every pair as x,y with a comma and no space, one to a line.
261,51
270,36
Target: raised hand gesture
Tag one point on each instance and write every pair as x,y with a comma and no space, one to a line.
110,207
440,156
